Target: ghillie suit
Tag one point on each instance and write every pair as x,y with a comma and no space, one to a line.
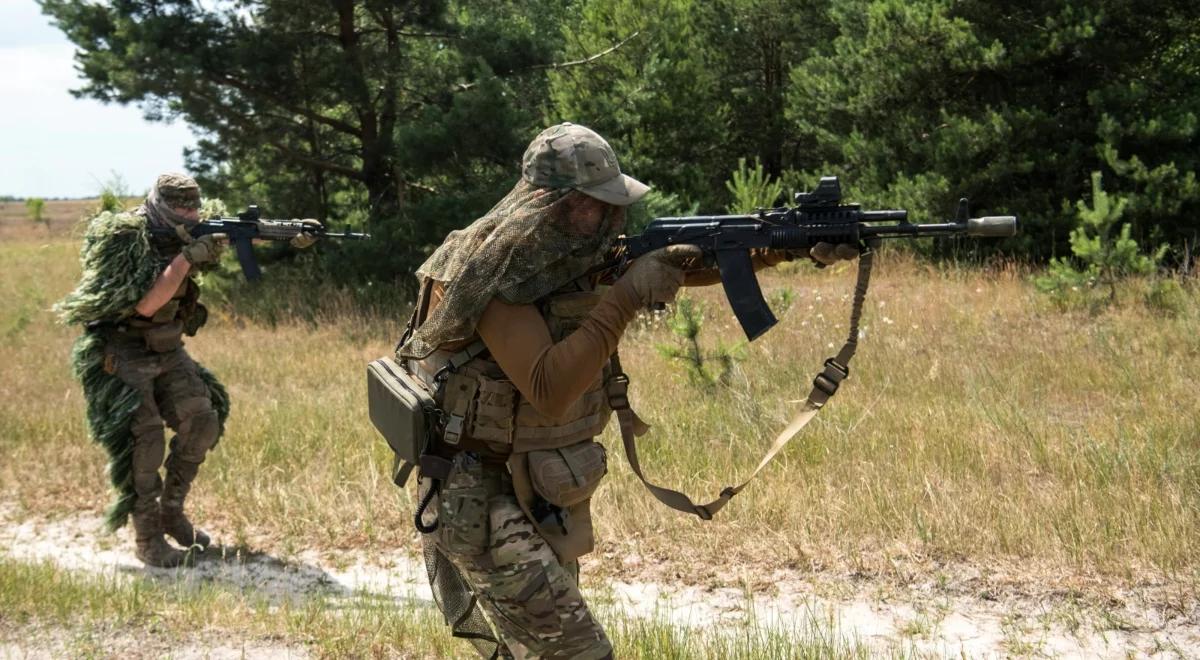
120,263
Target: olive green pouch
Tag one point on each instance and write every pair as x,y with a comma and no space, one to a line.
164,338
400,407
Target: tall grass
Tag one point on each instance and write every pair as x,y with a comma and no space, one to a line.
978,426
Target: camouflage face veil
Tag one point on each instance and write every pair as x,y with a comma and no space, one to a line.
172,191
530,243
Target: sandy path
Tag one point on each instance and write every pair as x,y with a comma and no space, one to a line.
921,618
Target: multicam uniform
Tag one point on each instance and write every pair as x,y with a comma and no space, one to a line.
514,513
136,373
507,301
529,339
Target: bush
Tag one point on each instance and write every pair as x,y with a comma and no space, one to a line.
752,188
1100,259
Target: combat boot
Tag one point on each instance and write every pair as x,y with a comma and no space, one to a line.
175,489
152,548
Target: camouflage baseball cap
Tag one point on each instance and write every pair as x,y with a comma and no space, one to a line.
178,190
573,156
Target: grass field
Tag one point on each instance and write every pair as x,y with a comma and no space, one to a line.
982,430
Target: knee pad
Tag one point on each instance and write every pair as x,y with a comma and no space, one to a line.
197,434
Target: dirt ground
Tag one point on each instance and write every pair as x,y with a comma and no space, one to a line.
956,615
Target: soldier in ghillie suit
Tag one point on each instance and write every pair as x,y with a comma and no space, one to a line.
519,344
136,300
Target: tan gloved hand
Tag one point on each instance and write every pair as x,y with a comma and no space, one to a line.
827,254
656,277
203,251
303,239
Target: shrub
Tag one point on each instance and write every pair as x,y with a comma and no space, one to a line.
704,368
1103,252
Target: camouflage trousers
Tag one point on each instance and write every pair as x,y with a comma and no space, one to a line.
172,392
532,599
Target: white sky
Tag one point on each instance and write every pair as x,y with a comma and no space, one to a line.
54,145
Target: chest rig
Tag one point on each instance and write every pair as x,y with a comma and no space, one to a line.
181,315
482,411
554,464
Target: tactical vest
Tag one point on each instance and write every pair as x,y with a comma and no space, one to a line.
182,314
554,463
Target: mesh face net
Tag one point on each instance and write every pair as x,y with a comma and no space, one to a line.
527,246
160,212
457,603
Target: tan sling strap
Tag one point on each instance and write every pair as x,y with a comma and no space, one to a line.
825,385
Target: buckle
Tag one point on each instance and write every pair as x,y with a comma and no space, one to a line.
453,431
826,385
831,363
617,388
828,380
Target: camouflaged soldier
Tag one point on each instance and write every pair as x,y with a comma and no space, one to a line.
136,300
515,340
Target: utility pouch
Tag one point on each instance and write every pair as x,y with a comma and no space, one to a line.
164,338
167,312
494,413
568,475
194,319
401,408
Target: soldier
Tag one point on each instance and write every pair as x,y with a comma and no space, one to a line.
136,299
516,340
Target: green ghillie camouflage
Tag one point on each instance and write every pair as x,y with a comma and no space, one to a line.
523,249
111,404
119,265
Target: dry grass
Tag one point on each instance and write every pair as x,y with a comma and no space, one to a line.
57,613
979,427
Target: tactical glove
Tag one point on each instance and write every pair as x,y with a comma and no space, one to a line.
203,251
827,254
303,239
656,277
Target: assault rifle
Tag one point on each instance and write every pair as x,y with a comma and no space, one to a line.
818,217
248,225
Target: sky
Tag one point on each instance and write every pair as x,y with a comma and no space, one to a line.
55,145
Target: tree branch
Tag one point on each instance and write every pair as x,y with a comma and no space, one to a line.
287,152
587,60
553,66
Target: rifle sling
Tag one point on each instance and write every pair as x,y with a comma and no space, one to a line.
825,385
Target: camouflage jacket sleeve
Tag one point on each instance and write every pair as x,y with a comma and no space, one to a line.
118,268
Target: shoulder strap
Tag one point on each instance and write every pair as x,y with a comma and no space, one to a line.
825,385
420,309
